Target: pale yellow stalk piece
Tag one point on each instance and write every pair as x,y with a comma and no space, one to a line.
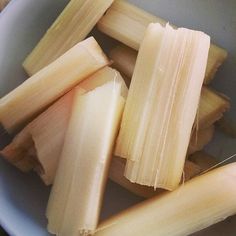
43,88
45,134
71,27
162,105
76,197
197,204
204,160
200,138
212,104
127,24
116,174
211,108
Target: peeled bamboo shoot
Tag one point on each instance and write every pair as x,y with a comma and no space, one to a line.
162,105
71,27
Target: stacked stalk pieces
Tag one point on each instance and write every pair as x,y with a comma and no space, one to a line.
212,104
76,197
72,26
42,89
60,125
162,105
127,24
45,134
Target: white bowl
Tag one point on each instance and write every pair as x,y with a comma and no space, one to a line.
23,198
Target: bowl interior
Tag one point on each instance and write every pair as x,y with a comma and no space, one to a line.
23,198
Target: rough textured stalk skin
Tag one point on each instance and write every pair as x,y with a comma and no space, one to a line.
149,130
72,26
75,201
46,132
127,24
33,96
199,203
200,138
212,104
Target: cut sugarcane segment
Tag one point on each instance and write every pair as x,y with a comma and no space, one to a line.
127,24
212,104
200,138
71,27
75,201
211,108
106,74
162,105
45,134
116,174
204,160
201,202
43,88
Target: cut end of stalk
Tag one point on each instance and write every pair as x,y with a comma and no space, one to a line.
116,174
50,83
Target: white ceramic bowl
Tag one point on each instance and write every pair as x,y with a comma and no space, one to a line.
23,198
